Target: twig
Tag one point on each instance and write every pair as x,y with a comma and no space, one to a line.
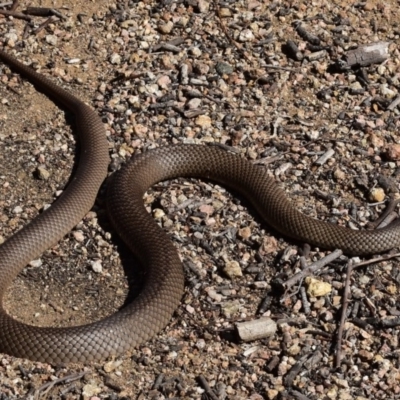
207,388
268,160
44,12
377,259
5,4
389,323
15,5
324,334
355,309
158,381
304,300
16,15
394,103
49,385
265,304
228,36
343,317
312,268
345,301
13,90
298,396
269,66
38,11
289,378
45,24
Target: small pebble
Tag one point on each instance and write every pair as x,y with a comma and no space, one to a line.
115,58
225,12
393,152
232,269
203,6
166,28
51,39
17,210
244,233
97,266
339,174
193,104
158,213
214,295
230,308
78,236
11,38
376,195
316,288
42,173
111,365
190,309
90,390
195,51
36,263
203,121
223,68
246,36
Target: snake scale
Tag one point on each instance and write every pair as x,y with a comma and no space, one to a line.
163,286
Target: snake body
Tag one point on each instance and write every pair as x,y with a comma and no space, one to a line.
163,286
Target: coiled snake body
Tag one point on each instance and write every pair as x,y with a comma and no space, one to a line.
163,287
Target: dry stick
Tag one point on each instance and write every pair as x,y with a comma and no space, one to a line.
367,54
207,388
345,302
298,396
394,103
13,90
325,335
377,259
16,15
44,12
389,323
15,5
67,379
39,11
228,36
215,100
269,160
5,4
312,268
27,30
158,381
269,66
304,300
294,371
45,24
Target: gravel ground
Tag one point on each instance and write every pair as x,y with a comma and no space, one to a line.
271,81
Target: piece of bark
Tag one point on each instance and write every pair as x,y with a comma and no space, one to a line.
367,54
293,51
38,11
394,103
256,329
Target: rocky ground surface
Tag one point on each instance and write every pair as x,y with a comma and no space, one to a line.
275,82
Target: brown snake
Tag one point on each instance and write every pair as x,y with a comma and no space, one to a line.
163,286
